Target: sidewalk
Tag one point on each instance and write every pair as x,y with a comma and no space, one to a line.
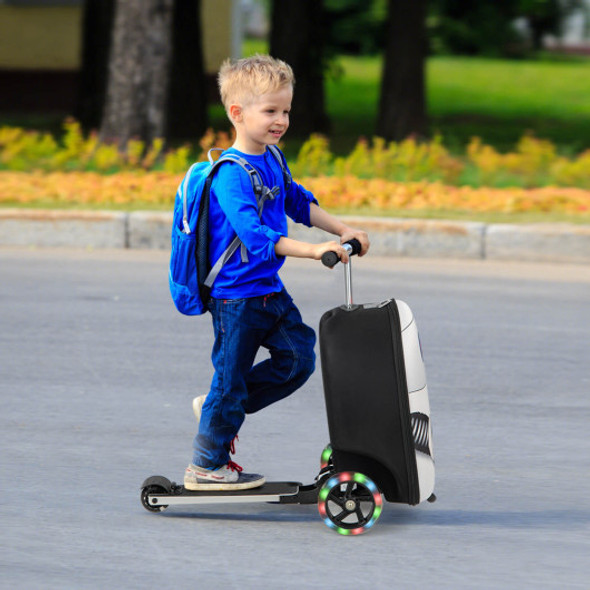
389,237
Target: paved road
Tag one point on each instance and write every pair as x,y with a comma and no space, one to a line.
97,376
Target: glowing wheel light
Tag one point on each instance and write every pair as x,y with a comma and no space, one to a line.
350,503
326,456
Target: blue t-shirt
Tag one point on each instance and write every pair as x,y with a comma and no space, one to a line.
233,210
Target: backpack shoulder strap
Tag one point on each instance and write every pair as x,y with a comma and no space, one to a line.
280,158
184,186
257,183
261,192
249,169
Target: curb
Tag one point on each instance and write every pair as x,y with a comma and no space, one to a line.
389,237
86,229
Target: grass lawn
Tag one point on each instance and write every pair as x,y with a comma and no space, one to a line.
497,100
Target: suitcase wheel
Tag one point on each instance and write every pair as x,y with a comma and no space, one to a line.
350,503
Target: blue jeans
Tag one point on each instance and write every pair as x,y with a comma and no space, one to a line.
241,327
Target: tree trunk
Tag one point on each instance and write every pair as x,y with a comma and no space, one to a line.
296,37
138,71
97,23
187,104
402,107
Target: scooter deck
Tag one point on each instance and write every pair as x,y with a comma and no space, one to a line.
270,488
159,493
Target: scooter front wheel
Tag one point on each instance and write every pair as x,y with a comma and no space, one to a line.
350,503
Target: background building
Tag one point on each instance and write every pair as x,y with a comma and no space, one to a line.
41,49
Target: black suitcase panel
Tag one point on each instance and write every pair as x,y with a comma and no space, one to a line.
372,429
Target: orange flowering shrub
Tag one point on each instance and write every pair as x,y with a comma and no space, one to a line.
572,172
379,194
314,157
33,150
407,160
534,162
157,190
78,170
72,189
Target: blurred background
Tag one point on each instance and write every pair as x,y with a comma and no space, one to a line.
474,80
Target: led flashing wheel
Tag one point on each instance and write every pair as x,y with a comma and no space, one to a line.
350,503
326,458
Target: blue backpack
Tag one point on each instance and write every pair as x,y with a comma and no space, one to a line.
191,276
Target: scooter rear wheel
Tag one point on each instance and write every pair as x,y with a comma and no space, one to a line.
145,501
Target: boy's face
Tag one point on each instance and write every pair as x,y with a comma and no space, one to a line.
262,122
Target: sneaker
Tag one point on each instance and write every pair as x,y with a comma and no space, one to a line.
227,477
198,406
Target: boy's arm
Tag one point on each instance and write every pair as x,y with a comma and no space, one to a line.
323,220
289,247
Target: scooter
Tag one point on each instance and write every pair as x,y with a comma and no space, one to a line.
351,480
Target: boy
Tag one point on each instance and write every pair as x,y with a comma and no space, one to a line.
249,304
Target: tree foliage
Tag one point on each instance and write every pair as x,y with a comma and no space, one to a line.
486,27
356,27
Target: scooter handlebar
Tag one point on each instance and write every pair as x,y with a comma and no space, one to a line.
331,259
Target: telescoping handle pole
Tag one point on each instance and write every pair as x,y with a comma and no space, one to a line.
330,259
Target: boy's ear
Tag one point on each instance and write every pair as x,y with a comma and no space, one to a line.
235,112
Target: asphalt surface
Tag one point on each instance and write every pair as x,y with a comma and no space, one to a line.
97,374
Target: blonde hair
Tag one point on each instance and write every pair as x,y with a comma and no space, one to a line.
245,79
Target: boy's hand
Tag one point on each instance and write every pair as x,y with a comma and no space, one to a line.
351,233
323,220
320,249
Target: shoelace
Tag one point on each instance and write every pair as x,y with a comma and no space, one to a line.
234,466
232,449
232,445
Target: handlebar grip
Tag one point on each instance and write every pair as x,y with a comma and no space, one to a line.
355,245
330,259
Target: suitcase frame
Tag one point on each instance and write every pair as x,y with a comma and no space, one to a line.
377,398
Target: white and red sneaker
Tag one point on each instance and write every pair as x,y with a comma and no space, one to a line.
227,477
